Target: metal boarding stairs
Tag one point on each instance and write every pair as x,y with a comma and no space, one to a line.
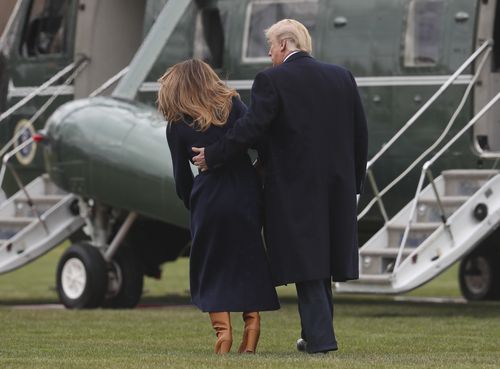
31,225
40,215
470,200
442,223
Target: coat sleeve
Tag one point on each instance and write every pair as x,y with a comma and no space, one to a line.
180,160
360,139
248,129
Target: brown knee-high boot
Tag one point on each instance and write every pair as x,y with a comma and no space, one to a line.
251,333
221,322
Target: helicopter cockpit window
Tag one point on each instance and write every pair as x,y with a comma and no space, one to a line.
261,15
45,30
424,30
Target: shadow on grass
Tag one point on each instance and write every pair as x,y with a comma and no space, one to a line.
359,306
166,300
389,307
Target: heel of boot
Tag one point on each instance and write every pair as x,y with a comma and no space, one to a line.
223,346
251,332
251,341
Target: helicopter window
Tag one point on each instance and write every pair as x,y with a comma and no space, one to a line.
424,29
45,31
262,15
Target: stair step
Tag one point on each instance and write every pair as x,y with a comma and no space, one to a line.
16,220
42,198
470,173
9,227
50,187
374,278
22,237
42,204
428,209
466,182
381,260
386,251
419,232
446,200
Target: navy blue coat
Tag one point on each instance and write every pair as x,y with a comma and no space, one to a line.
228,267
314,127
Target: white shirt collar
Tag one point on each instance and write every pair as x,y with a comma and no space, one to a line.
289,55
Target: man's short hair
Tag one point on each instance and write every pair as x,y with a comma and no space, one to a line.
292,30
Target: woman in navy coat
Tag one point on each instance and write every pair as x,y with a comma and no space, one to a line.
229,270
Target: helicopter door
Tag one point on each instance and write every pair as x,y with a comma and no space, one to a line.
486,133
6,8
44,46
109,32
37,47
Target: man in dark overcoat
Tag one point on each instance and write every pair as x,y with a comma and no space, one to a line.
314,128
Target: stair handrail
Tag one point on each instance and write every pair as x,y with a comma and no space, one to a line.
5,164
7,156
426,171
109,82
486,46
41,88
44,107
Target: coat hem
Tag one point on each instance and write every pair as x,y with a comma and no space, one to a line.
233,309
284,282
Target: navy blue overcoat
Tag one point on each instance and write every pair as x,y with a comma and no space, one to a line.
228,267
314,128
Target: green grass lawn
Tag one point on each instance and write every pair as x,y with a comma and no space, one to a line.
373,331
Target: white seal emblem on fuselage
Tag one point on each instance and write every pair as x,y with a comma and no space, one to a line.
24,131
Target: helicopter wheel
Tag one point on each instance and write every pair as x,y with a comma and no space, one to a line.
479,276
81,277
125,281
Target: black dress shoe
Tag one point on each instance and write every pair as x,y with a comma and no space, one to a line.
301,345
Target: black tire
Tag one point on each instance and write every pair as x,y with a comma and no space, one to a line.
126,272
86,287
479,276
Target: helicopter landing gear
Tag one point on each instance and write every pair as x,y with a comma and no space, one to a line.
80,277
125,281
96,273
479,275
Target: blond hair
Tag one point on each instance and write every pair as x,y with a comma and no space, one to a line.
291,30
192,88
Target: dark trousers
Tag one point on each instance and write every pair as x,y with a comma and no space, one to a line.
316,314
